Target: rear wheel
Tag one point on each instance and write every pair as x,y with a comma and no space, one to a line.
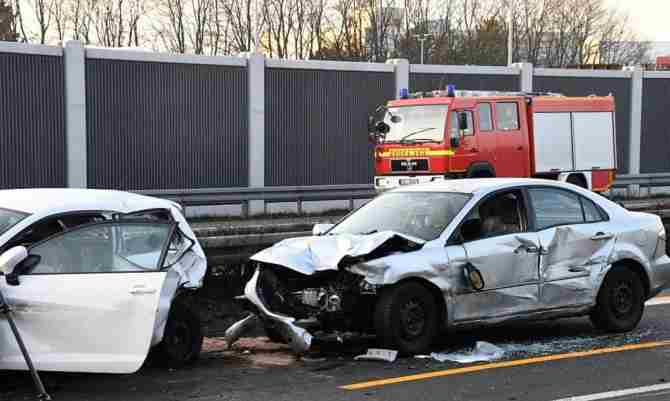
620,302
406,318
577,179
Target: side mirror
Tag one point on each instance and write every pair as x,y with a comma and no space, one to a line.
455,142
382,128
474,277
471,229
12,258
463,121
320,229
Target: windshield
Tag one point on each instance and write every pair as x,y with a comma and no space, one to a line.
416,123
423,215
9,218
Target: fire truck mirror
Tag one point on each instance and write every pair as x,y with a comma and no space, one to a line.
455,141
382,127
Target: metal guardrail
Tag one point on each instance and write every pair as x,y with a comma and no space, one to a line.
242,196
237,196
643,180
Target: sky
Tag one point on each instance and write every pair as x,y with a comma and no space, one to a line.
651,18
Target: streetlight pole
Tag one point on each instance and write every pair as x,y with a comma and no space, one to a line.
510,33
422,38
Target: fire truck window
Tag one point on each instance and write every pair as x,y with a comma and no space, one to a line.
485,119
454,124
507,116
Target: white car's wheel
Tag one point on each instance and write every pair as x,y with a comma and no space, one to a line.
620,302
182,340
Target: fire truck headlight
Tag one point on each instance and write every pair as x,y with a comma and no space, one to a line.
382,182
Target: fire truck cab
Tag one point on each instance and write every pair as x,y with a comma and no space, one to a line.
451,134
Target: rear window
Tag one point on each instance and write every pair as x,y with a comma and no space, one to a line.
10,218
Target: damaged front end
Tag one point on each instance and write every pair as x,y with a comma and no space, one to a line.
314,287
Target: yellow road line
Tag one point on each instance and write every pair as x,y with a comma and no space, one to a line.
505,364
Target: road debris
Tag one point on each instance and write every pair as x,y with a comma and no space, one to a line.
378,354
482,352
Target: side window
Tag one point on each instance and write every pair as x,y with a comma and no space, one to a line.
501,214
154,215
555,207
46,228
485,117
455,124
103,248
592,213
507,116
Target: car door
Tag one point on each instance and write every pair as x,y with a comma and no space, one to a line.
507,256
576,239
89,302
511,141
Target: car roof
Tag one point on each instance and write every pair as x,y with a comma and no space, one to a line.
62,200
479,185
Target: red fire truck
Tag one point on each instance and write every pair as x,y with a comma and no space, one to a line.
447,134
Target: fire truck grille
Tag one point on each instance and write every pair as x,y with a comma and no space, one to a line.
409,165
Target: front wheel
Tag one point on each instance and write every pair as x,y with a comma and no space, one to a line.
182,339
406,318
620,302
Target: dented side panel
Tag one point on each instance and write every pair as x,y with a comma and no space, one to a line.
572,258
509,266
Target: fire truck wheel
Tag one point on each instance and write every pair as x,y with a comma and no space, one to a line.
577,179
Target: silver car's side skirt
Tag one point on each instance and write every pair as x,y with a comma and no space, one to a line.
541,314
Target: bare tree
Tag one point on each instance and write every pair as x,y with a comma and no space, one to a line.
59,14
8,24
81,16
173,31
198,22
42,12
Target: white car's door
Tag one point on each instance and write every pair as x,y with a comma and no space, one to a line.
89,302
576,239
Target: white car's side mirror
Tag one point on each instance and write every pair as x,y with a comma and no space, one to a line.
320,229
11,258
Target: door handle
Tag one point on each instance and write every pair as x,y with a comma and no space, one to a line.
473,150
602,236
528,249
519,148
142,290
577,270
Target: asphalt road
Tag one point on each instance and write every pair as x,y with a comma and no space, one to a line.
543,361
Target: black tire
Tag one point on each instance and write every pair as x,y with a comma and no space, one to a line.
620,302
577,179
406,318
182,340
273,334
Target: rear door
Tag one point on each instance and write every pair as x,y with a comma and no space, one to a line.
576,239
90,303
511,151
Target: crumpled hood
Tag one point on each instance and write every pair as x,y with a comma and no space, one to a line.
308,255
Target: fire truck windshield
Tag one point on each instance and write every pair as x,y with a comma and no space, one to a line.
416,123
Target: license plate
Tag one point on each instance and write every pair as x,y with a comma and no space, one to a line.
409,181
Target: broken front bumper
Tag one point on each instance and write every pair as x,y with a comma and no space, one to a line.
298,338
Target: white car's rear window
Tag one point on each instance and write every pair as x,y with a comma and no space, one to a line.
10,218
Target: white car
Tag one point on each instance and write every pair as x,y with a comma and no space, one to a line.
94,280
419,260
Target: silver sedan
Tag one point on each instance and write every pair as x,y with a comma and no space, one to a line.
417,261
